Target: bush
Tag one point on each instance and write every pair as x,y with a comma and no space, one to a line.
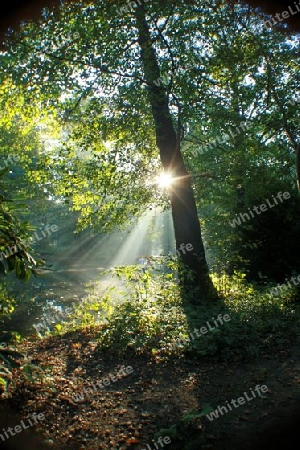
155,318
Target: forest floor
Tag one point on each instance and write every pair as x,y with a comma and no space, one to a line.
149,402
158,398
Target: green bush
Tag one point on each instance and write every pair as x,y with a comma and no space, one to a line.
155,318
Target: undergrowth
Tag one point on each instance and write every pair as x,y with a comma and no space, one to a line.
152,315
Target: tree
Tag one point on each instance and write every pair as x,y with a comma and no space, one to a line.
186,222
184,212
16,253
244,148
18,140
101,70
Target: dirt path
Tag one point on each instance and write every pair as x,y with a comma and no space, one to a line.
127,413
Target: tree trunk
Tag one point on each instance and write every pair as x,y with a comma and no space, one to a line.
184,211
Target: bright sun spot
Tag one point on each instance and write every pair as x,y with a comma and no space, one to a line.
108,145
164,180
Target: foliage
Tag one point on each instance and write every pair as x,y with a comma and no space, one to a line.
18,150
153,317
89,139
10,360
243,150
16,256
221,67
7,303
16,253
276,233
14,362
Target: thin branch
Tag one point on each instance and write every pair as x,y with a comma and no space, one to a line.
168,18
174,67
271,90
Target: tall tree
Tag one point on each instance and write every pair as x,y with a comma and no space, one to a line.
184,211
102,69
86,75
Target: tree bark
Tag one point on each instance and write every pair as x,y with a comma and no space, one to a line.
184,211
